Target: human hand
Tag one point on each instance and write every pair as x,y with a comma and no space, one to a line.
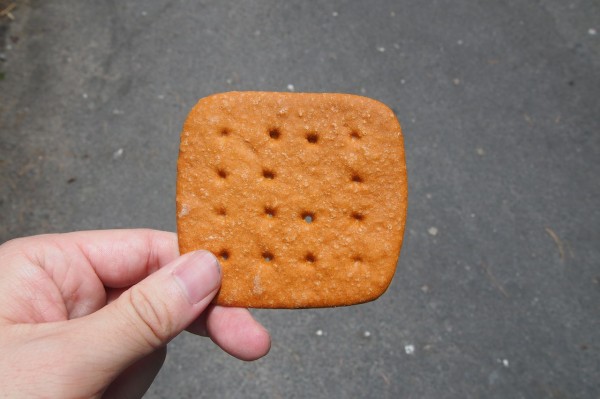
89,314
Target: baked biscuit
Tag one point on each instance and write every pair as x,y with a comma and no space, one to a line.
302,196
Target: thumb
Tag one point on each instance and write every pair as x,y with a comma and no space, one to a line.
151,313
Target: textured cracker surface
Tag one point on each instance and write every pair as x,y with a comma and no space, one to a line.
302,196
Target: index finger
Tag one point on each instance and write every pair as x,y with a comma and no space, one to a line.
120,258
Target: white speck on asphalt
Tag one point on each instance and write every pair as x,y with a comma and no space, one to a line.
459,42
84,95
409,349
432,231
118,154
367,334
290,87
480,151
319,333
381,49
335,14
592,32
505,362
456,81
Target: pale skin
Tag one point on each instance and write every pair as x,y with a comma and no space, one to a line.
89,314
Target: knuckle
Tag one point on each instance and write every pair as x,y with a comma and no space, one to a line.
152,317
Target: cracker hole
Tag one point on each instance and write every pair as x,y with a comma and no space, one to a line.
355,135
358,216
310,257
270,211
267,256
224,254
357,178
225,132
308,217
357,258
222,173
221,211
274,133
312,138
268,174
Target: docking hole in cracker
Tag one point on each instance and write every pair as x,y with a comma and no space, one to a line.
301,196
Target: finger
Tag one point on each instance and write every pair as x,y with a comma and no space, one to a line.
124,257
79,267
148,315
234,330
120,258
138,377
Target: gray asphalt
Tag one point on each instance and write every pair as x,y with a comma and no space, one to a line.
497,292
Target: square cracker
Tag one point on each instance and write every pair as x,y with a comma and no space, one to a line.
302,196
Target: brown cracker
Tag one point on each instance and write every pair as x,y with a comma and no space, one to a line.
302,196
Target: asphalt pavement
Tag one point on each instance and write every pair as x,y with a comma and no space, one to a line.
497,290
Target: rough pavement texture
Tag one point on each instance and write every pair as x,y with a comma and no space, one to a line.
498,287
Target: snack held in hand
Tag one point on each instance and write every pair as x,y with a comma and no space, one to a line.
302,196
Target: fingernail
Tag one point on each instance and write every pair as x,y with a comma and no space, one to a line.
198,275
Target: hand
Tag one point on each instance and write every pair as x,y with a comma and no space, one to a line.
89,314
